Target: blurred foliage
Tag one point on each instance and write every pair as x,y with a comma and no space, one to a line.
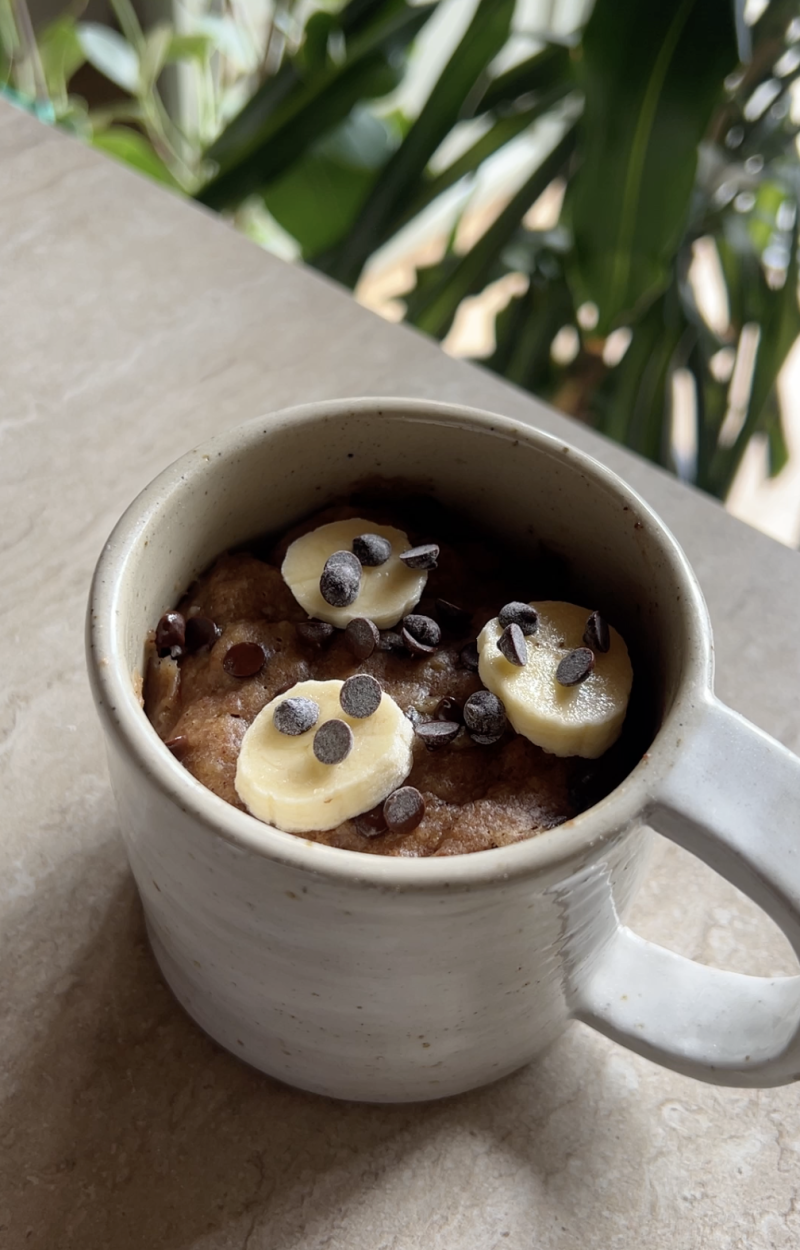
668,127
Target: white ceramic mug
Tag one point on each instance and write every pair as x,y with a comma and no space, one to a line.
387,979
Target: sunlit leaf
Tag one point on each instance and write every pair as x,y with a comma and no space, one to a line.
499,134
433,303
135,150
368,78
399,180
154,56
230,38
61,54
110,54
189,48
287,115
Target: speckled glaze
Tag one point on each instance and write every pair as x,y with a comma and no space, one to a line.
382,979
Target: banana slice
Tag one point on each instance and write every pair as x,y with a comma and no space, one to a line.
583,719
388,591
282,782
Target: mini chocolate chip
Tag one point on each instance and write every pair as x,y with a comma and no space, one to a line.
424,557
244,659
575,667
371,824
469,656
341,579
485,714
295,716
512,645
360,695
333,742
178,746
170,634
413,715
404,809
486,740
454,618
521,614
390,640
418,649
449,708
596,634
362,637
422,629
437,733
371,550
201,634
314,632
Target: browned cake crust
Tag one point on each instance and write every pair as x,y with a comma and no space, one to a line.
476,796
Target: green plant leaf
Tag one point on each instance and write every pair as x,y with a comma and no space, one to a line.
135,150
313,54
633,405
386,28
762,219
652,75
772,424
189,48
499,134
110,54
61,55
537,74
154,56
360,21
125,110
711,400
230,38
741,271
368,78
281,122
399,180
363,141
779,324
433,303
318,198
252,125
524,333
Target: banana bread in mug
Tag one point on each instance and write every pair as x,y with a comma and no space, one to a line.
386,678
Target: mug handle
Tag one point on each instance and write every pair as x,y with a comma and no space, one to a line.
733,799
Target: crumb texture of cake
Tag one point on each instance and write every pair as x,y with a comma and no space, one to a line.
247,641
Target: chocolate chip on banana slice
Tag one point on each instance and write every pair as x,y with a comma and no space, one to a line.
283,780
560,709
324,573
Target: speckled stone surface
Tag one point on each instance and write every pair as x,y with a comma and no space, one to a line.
132,327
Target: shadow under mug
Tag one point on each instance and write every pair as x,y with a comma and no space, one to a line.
388,979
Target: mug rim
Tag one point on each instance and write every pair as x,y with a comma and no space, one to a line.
125,721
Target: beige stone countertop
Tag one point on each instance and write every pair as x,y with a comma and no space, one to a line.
134,326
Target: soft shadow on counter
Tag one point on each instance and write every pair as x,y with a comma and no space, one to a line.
127,1128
